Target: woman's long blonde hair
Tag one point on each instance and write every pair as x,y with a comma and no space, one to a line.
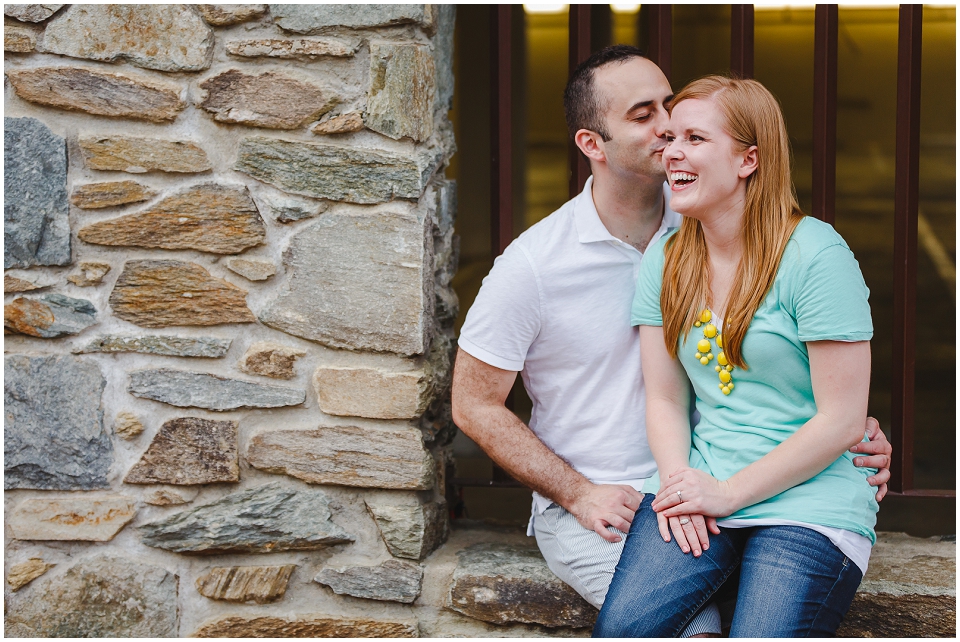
752,117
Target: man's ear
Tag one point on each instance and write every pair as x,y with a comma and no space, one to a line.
751,160
590,144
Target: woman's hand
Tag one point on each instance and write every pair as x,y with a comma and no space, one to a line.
689,530
689,490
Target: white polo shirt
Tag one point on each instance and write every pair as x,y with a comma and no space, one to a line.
556,307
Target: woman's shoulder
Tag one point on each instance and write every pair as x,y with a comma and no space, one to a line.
808,241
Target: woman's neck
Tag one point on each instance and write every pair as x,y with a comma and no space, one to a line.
723,232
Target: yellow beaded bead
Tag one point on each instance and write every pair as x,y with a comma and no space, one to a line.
730,385
717,368
725,391
710,331
709,355
697,324
719,341
729,368
720,385
722,359
703,346
704,360
697,356
724,376
705,316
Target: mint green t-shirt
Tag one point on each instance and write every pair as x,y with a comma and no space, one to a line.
817,295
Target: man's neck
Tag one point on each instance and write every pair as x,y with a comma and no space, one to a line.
631,210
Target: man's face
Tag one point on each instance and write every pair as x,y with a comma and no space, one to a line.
634,94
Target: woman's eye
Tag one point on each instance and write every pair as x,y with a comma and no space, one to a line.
670,139
695,138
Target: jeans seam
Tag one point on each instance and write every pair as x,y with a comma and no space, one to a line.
706,599
826,599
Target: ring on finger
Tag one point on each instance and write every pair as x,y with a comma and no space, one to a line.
684,521
679,496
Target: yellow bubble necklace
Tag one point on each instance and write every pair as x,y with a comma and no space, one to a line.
705,354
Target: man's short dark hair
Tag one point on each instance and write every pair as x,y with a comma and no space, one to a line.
583,106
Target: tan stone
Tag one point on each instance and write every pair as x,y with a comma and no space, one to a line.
158,294
252,269
270,360
22,574
171,496
209,217
18,39
31,12
97,92
260,584
307,626
402,91
96,195
81,518
409,526
49,317
370,392
12,284
347,456
91,273
127,425
222,15
342,124
188,451
300,48
136,154
270,100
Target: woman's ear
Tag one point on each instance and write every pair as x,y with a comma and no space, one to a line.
590,144
751,160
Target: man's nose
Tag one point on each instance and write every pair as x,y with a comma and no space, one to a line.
661,119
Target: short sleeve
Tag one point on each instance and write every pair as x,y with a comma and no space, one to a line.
504,319
646,299
830,299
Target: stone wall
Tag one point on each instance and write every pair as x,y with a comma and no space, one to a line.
228,245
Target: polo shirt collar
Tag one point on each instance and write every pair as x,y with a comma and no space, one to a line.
591,229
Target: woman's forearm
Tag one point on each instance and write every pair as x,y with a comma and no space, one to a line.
668,432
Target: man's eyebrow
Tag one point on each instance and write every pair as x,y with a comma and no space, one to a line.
640,105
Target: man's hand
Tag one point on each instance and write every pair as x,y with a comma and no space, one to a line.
600,505
879,453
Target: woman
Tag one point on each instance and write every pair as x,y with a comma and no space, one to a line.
764,311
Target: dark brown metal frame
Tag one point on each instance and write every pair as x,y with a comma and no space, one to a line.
578,50
825,112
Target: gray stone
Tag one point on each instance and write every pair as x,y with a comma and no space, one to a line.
318,18
268,518
89,273
336,173
361,282
392,581
270,360
138,154
222,15
201,390
286,209
30,12
96,195
127,425
402,92
252,269
100,597
297,48
443,54
409,527
166,37
347,456
73,518
307,626
168,346
98,92
48,317
340,124
260,584
22,574
503,584
54,400
18,38
189,451
35,208
271,100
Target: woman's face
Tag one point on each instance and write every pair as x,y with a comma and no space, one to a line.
705,168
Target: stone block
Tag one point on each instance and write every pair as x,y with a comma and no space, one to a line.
260,584
36,229
286,209
97,92
252,269
96,195
99,597
347,456
168,346
296,48
188,451
265,519
90,273
271,100
359,282
222,15
270,360
307,626
158,294
209,217
504,584
443,54
171,496
30,12
402,91
127,425
18,39
80,518
49,317
13,285
200,390
22,574
53,433
165,37
319,18
391,581
409,527
137,154
351,174
341,124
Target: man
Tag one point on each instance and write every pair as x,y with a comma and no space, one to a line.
556,307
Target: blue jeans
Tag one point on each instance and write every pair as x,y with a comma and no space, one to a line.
793,582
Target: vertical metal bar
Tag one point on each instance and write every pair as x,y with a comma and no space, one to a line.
578,51
741,40
660,36
906,202
825,112
501,136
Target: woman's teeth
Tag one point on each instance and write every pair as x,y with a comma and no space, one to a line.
682,178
